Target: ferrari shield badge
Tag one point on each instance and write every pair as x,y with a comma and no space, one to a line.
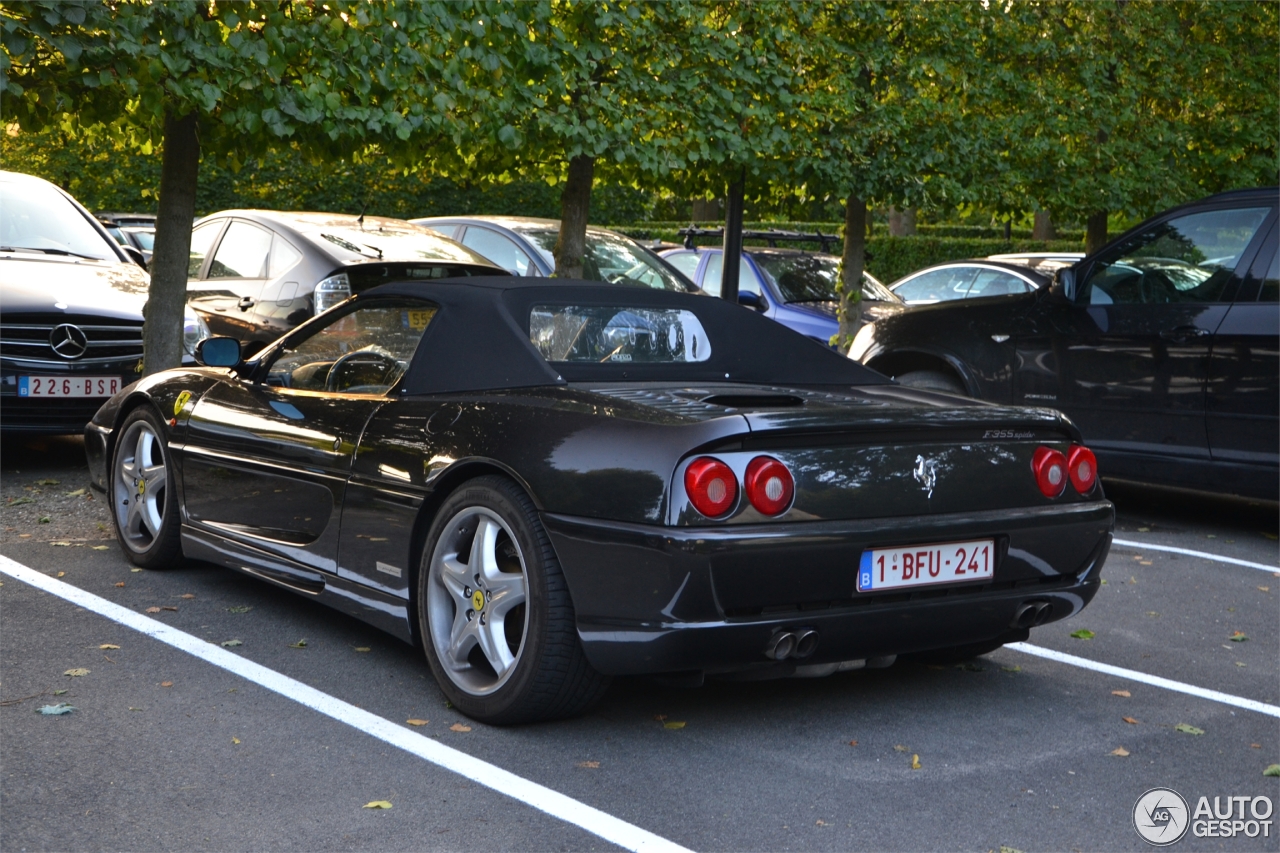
181,402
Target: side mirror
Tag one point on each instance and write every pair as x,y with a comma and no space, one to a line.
1064,284
752,300
218,352
135,255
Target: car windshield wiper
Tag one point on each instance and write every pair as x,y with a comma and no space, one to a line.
49,252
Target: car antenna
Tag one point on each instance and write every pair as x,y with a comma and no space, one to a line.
360,218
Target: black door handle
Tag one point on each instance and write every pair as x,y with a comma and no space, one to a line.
1184,333
245,303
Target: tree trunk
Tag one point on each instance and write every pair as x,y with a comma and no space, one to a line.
575,208
852,262
902,223
706,210
1043,227
731,248
167,295
1095,232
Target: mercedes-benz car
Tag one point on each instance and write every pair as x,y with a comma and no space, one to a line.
71,303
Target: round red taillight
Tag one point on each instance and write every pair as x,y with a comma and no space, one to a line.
1082,466
711,486
768,485
1050,468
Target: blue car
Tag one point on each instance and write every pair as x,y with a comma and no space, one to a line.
794,287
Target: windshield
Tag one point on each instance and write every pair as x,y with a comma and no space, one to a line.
38,218
612,258
812,278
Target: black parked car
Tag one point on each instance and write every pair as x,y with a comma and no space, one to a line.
979,278
255,274
1164,347
70,310
548,482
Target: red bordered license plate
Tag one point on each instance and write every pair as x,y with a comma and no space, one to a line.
922,565
68,386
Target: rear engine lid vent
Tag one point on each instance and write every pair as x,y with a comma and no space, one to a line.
754,401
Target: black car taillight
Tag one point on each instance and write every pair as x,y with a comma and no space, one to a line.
1050,468
1082,466
711,486
769,485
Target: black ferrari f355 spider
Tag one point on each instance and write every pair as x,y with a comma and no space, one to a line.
548,483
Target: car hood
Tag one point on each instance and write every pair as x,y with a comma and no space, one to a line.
871,309
48,283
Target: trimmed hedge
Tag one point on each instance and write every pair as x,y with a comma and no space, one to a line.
888,258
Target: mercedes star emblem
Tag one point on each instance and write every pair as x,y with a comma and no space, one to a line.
68,341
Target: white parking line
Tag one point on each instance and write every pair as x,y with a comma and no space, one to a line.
1142,677
544,799
1204,555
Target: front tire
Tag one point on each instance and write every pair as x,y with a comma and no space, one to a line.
144,502
496,619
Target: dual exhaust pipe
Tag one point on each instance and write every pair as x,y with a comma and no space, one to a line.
796,643
1031,613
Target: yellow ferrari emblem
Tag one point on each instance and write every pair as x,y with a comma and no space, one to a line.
182,400
477,601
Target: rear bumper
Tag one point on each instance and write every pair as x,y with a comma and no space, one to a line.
662,599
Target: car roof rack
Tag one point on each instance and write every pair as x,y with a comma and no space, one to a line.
773,238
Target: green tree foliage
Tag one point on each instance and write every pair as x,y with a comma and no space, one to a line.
229,79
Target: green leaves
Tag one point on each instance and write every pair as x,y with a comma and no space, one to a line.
1083,634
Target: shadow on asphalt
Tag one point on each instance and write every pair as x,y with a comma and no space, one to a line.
1139,502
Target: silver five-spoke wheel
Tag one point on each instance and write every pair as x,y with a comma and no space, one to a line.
140,483
476,599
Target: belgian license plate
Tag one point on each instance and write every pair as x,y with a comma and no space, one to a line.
68,386
921,565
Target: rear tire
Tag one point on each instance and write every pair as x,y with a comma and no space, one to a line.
143,495
932,380
494,611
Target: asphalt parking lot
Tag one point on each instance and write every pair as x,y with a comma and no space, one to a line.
169,749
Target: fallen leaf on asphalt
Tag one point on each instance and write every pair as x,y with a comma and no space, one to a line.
20,501
24,535
230,643
1265,588
58,692
47,483
589,765
1011,668
62,574
915,762
45,519
1124,693
1132,579
1187,729
377,804
1152,614
1120,751
1238,637
56,710
417,722
135,569
100,547
853,743
1144,562
1272,770
187,595
120,584
1083,634
820,822
1144,529
76,673
169,607
166,684
363,649
135,709
899,748
108,646
301,644
77,493
235,741
153,610
459,727
1130,720
240,608
1255,746
672,724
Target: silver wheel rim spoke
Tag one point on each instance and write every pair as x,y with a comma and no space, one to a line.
139,487
455,625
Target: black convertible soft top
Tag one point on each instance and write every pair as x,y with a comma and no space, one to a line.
479,339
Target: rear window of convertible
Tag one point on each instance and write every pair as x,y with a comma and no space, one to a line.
610,334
